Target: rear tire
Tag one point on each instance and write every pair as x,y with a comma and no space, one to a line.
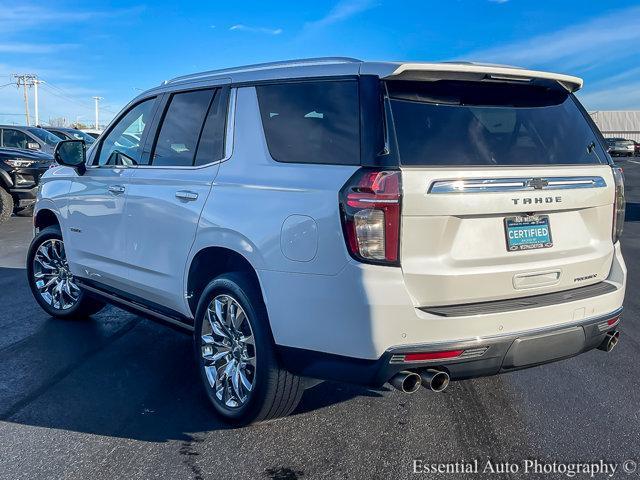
273,392
52,284
6,205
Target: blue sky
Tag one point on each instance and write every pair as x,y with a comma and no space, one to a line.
114,49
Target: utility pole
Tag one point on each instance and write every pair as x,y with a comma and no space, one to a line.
35,100
97,100
25,81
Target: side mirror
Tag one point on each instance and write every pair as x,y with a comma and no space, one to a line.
71,153
33,146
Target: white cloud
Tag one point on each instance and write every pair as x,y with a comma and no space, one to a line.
21,16
498,1
343,10
576,46
622,97
19,47
245,28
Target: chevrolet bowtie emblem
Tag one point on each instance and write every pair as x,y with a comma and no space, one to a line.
538,183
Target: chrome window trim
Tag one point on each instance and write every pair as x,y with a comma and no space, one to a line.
514,184
228,143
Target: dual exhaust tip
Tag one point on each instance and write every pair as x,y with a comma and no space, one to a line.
610,341
410,382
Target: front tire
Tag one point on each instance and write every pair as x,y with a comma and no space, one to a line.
6,205
51,282
236,357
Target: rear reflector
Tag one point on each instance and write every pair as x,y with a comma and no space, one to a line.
419,357
604,326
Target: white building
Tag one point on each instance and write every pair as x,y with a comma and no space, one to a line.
622,123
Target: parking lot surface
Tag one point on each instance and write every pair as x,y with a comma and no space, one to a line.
118,397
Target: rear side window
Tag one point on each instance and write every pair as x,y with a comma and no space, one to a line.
211,146
178,137
312,122
476,123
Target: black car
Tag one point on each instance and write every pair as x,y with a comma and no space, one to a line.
28,138
20,172
71,134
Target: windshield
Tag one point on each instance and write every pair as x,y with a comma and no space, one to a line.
476,123
47,137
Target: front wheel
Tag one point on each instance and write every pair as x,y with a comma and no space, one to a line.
235,354
51,282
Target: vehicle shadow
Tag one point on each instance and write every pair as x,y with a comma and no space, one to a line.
115,374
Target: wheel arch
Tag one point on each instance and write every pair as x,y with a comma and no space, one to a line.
211,261
45,217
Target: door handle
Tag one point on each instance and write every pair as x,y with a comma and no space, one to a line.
116,189
186,195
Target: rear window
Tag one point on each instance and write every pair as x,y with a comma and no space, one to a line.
312,122
474,123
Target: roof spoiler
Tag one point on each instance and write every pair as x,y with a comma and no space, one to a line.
477,72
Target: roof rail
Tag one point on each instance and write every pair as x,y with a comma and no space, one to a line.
265,66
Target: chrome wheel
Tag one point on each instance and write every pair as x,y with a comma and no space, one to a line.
52,277
229,351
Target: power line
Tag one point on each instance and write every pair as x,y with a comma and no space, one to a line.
62,93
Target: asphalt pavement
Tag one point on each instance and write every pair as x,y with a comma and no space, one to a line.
118,397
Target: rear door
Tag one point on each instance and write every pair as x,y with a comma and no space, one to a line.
166,196
506,191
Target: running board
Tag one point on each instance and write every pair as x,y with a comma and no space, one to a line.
137,307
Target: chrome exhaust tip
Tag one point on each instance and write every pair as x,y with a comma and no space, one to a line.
435,380
406,381
610,341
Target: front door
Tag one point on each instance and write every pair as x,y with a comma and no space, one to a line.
97,233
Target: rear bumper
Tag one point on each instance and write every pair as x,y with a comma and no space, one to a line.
365,311
478,357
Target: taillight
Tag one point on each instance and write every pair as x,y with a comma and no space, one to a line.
370,209
618,204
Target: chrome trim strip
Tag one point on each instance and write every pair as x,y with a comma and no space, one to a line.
444,344
478,185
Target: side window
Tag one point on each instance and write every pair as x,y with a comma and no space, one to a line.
211,145
122,145
312,122
15,139
181,128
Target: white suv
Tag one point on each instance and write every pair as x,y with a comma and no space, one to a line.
335,219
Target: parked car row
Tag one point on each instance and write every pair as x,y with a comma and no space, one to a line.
25,154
